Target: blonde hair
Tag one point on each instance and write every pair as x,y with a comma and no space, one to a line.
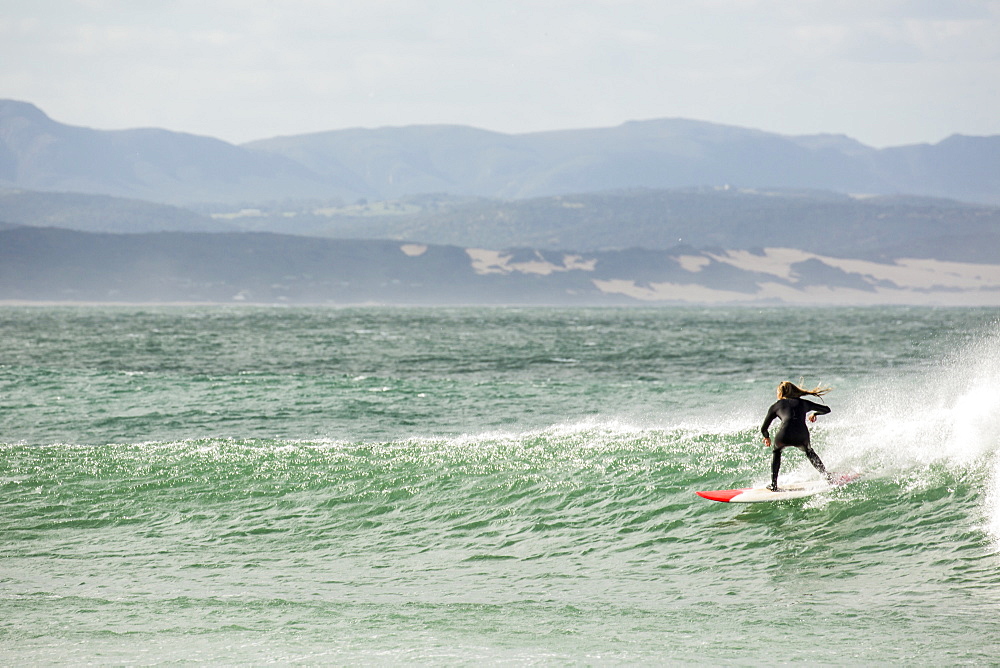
789,390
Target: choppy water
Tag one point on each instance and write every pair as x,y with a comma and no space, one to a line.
458,486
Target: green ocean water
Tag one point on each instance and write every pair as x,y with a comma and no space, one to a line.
456,486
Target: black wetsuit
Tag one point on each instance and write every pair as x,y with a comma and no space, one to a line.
792,432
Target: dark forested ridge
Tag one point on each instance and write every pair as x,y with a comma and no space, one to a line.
821,222
50,264
53,264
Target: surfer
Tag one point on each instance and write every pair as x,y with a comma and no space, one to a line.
793,411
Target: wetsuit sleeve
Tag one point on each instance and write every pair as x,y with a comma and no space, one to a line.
818,409
772,413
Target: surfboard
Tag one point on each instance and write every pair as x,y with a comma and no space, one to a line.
792,490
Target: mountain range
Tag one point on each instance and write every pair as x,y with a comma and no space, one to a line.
38,153
661,212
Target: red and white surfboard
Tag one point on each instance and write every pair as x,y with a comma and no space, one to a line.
792,490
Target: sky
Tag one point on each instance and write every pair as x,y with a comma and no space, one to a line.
884,72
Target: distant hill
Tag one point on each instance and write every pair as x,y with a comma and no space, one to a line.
38,153
49,264
666,153
100,213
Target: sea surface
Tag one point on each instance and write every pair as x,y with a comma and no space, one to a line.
502,486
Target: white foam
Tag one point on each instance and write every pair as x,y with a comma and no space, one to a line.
949,417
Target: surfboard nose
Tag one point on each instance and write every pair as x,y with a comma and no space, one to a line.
724,495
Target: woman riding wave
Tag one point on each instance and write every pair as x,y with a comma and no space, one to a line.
793,411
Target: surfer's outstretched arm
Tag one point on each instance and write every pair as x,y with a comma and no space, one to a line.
815,410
